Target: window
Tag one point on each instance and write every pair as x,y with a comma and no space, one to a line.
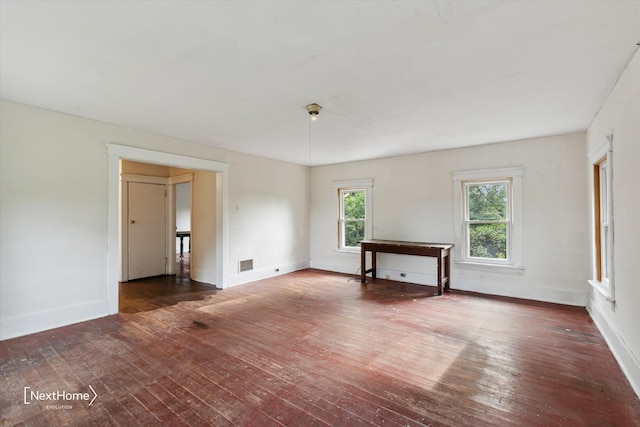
487,219
352,217
602,221
354,213
488,208
601,176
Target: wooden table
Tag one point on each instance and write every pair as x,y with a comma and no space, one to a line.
181,235
440,251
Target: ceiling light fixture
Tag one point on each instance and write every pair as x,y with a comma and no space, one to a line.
313,110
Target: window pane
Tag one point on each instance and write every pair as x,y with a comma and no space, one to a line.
353,204
487,202
488,241
604,211
353,233
604,260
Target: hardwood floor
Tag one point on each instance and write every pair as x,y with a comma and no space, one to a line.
318,348
162,291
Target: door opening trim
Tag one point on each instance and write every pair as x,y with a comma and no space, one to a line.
117,152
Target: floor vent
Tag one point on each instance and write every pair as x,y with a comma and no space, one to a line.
246,265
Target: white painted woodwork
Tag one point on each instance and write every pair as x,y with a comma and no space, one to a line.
205,228
146,224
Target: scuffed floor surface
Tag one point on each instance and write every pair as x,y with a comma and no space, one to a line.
316,348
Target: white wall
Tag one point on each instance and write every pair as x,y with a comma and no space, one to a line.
256,207
413,200
619,321
146,169
183,207
53,220
183,214
205,227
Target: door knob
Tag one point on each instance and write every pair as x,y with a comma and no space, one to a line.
133,221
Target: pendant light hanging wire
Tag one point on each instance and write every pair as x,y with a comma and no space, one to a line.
313,110
309,144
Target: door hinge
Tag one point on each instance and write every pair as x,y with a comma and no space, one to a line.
166,261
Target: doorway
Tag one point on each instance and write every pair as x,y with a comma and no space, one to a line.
157,205
183,225
215,252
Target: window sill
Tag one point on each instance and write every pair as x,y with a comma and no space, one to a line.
603,290
494,268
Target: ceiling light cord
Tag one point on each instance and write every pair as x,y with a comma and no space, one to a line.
314,111
309,144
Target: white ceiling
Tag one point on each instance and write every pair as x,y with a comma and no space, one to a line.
394,77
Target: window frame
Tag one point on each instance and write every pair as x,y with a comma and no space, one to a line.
468,222
601,160
462,181
342,187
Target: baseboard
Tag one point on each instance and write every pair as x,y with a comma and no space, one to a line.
409,276
204,276
575,298
265,273
338,268
629,364
49,319
381,273
557,296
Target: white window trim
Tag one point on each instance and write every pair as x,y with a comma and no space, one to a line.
606,287
515,264
359,184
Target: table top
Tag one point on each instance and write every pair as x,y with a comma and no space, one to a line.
403,243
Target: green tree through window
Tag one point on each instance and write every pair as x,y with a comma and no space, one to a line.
353,217
487,217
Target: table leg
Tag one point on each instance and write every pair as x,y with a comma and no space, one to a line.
440,274
447,269
181,247
373,264
363,265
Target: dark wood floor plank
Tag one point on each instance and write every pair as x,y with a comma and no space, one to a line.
75,352
163,291
360,405
274,370
243,387
329,418
229,404
318,348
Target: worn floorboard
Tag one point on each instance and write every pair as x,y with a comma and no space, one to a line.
317,348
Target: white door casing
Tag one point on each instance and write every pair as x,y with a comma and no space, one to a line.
116,246
146,222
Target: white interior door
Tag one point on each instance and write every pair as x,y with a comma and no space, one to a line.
147,230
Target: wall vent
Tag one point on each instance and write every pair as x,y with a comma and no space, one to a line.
246,265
